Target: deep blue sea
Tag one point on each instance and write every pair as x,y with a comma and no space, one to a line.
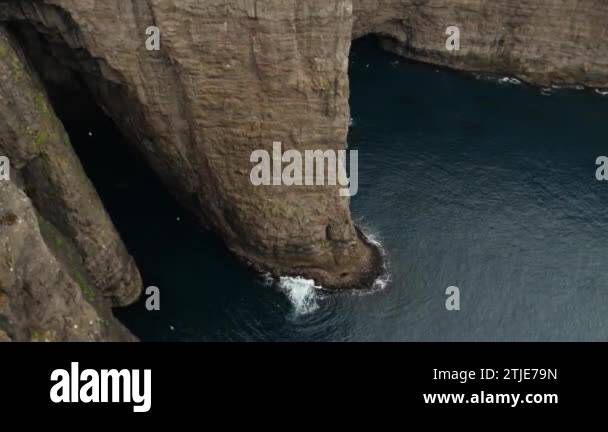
467,181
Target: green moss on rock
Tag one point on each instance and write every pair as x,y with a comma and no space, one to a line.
67,253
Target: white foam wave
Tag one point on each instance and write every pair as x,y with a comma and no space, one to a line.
500,80
384,279
371,237
509,80
601,92
546,91
567,87
302,293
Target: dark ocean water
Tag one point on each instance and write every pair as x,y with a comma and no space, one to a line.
467,182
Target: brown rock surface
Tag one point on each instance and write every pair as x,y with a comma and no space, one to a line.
45,293
230,78
59,247
541,41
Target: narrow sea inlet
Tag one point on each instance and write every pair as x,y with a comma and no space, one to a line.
473,182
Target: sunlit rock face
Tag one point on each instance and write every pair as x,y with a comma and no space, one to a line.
234,77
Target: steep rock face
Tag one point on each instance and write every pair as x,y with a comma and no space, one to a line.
45,294
234,76
541,41
230,78
61,256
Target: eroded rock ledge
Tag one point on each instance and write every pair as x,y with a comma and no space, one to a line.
234,76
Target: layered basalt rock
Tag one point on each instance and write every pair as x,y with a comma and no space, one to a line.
235,76
63,264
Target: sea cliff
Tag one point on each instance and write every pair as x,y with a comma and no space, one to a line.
230,77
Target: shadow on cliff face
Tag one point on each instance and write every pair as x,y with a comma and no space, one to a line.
205,293
170,249
120,173
131,194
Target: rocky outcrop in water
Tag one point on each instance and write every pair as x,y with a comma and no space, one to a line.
235,76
